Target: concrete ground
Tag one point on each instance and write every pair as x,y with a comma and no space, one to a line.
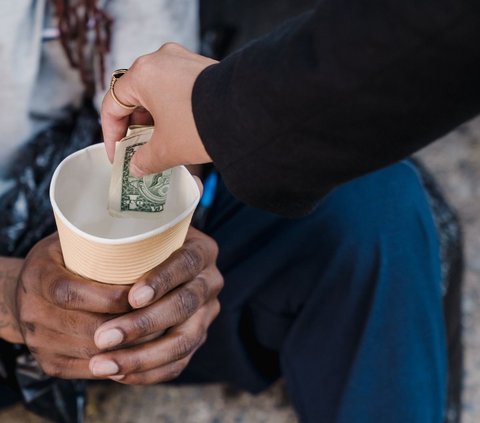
455,160
115,403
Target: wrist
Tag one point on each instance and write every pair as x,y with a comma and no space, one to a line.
10,269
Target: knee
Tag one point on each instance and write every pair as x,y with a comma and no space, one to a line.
391,200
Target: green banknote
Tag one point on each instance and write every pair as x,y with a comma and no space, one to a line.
136,197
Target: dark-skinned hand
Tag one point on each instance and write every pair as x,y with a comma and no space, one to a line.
174,304
58,312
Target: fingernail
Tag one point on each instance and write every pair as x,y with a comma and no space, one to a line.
142,296
135,170
105,368
109,338
117,377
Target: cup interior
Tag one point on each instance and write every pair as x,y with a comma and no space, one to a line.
79,196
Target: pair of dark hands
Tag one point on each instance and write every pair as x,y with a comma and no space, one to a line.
140,334
146,333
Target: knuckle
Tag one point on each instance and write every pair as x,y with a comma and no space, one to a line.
145,163
187,302
140,67
28,327
207,246
140,62
129,364
184,345
53,368
32,271
175,370
144,323
203,286
161,282
31,341
87,352
51,246
203,339
218,282
63,294
72,323
191,260
170,47
216,308
28,312
212,247
136,379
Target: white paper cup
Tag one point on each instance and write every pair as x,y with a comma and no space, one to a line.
109,249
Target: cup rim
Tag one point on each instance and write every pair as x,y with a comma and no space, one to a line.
118,241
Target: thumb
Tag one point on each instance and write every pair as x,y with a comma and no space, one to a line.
147,158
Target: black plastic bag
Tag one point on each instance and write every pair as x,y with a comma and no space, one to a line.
24,200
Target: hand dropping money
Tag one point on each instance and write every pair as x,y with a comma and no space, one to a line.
136,197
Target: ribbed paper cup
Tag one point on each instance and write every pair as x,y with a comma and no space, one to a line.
109,249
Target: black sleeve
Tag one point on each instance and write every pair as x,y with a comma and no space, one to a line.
342,90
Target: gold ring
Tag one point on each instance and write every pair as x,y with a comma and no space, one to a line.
117,74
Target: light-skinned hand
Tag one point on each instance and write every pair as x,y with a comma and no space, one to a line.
160,84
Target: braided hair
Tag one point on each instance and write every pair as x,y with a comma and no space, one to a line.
85,49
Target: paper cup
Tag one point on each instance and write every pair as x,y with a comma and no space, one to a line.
110,249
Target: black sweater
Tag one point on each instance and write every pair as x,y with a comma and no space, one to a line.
347,88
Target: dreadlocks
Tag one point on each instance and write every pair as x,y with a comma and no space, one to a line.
75,20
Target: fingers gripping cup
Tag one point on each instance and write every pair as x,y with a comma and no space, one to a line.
109,249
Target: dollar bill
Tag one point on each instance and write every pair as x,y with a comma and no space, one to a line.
136,197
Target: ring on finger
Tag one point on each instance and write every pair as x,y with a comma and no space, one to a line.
116,75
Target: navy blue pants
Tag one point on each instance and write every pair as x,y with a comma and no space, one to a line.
345,304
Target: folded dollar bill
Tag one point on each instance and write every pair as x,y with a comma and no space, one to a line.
136,197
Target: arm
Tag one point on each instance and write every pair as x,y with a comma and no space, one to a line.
10,269
336,93
333,94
